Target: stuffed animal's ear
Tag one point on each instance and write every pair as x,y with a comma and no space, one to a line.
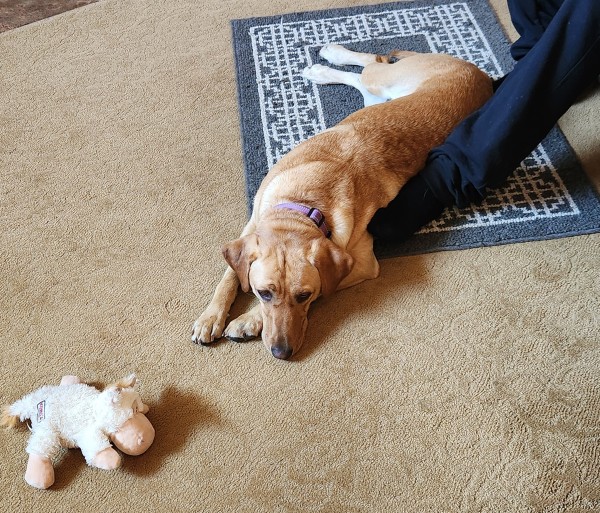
240,254
126,382
332,262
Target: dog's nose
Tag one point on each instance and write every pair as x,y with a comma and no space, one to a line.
283,353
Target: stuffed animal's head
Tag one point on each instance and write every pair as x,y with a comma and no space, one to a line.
121,411
118,403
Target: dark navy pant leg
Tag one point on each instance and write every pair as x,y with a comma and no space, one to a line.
558,57
557,68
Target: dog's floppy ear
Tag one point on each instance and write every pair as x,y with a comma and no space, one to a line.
240,254
332,262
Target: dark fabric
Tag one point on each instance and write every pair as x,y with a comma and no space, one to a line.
530,18
415,206
483,150
558,58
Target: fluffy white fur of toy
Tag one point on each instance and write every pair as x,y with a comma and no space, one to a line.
76,415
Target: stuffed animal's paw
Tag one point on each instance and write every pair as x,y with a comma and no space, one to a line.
40,472
107,459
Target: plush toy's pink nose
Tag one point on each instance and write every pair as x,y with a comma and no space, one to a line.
135,436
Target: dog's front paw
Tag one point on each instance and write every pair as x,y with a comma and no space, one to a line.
245,327
208,327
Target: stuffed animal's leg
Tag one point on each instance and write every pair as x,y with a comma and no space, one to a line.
40,472
107,459
97,450
43,445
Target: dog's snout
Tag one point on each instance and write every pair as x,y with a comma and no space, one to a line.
281,352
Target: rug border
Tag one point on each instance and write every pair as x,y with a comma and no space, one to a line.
253,137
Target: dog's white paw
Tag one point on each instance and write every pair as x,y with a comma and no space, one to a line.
335,54
317,73
208,327
245,327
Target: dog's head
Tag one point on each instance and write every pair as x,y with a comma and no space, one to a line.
286,273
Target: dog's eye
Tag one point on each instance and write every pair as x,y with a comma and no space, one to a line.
303,296
265,295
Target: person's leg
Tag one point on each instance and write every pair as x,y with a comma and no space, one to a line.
544,83
485,148
530,18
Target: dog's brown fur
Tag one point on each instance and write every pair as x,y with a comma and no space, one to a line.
348,172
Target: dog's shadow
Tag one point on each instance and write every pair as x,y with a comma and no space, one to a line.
364,297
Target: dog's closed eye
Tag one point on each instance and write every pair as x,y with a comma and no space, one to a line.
303,296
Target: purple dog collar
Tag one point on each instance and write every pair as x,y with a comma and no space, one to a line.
314,214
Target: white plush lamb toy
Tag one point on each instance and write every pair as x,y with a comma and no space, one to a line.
74,414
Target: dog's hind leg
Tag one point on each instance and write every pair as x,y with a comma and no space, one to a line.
320,74
340,56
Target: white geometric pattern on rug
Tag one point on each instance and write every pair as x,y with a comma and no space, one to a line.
291,109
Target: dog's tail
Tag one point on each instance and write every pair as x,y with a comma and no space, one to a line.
395,55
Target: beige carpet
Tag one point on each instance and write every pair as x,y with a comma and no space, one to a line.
458,382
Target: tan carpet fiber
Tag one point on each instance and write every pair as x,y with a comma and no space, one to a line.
465,381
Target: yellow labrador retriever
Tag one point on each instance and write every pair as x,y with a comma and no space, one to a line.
307,235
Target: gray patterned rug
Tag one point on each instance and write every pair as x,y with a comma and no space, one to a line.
548,196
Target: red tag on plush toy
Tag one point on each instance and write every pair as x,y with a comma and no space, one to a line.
41,411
